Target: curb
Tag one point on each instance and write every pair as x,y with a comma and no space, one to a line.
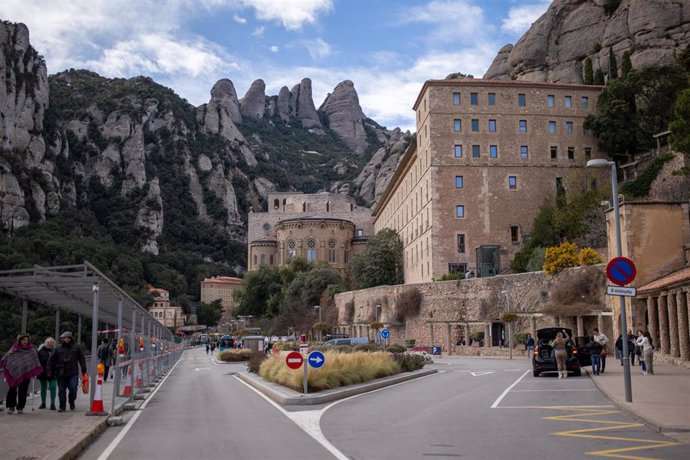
83,440
659,428
287,397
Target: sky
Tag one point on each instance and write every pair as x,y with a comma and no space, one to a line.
388,48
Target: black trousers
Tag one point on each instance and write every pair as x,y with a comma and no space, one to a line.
16,396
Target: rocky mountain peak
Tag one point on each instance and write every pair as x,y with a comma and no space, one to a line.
253,104
344,116
302,105
554,49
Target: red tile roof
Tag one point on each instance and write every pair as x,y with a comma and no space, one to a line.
679,277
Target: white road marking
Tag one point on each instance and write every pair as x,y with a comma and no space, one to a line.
480,373
507,390
554,407
564,389
310,420
113,445
197,369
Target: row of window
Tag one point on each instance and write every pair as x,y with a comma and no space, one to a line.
461,243
512,182
522,126
524,152
521,100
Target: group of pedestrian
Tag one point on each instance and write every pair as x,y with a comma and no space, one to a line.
56,367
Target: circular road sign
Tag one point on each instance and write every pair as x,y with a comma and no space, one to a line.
316,359
385,333
294,360
621,271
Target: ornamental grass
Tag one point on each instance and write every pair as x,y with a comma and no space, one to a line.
235,354
340,369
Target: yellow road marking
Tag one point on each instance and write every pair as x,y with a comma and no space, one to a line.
580,414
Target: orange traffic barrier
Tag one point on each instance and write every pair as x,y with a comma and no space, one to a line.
97,403
128,383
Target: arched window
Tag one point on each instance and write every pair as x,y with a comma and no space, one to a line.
276,204
328,206
263,259
304,206
311,250
331,251
291,248
255,260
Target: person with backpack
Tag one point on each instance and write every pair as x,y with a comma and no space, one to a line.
105,357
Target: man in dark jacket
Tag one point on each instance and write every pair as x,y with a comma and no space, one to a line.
64,364
105,357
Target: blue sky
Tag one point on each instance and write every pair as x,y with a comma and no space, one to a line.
388,48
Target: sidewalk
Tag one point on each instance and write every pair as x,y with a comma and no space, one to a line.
661,400
48,434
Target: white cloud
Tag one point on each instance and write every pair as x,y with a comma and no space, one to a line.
259,31
457,21
318,49
239,19
291,14
274,49
521,18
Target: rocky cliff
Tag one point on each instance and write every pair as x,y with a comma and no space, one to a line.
556,46
151,166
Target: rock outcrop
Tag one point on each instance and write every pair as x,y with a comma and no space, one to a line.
283,104
343,115
555,47
302,105
253,104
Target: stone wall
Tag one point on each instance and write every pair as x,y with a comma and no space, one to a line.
448,307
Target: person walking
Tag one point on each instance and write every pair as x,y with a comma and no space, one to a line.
644,341
44,352
20,365
64,364
530,346
619,348
632,339
602,340
561,354
105,357
594,349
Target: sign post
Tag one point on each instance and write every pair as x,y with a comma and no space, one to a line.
385,335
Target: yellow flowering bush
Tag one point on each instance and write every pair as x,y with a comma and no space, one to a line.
559,257
589,256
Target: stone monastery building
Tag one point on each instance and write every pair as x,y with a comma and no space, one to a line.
488,154
324,227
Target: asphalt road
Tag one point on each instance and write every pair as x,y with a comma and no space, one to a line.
473,408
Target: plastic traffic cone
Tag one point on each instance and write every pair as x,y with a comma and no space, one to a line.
140,376
97,403
128,382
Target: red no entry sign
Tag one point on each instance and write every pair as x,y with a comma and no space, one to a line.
621,271
294,360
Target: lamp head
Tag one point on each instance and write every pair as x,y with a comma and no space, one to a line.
599,163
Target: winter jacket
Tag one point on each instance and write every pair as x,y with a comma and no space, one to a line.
643,342
64,360
43,356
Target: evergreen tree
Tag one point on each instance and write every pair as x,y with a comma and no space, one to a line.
626,65
599,77
589,72
613,65
680,127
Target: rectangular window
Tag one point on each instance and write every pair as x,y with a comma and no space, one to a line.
512,182
461,243
588,153
493,151
586,131
492,98
524,152
554,152
475,151
522,100
585,102
474,98
568,102
514,234
523,126
457,268
475,125
457,125
550,100
569,127
458,181
456,98
459,211
457,149
552,127
492,126
571,153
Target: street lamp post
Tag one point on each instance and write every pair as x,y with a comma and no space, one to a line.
510,328
318,307
377,323
601,163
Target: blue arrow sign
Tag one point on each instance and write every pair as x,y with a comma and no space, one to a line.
316,359
385,333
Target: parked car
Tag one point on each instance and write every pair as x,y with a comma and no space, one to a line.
544,359
352,341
